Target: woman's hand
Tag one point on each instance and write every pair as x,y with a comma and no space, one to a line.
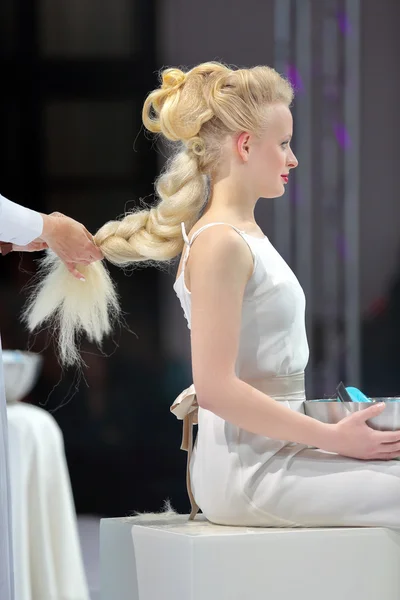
355,439
5,248
70,240
34,246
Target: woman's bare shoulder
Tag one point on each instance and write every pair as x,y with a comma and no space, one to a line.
218,250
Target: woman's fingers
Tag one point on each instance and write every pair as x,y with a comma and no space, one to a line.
388,437
388,456
74,271
392,447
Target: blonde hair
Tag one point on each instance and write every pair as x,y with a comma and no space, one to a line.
196,110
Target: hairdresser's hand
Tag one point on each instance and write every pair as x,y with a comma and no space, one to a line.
354,438
34,246
70,240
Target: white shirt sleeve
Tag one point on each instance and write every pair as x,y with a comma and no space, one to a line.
18,225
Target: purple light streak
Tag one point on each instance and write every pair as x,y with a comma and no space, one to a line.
292,73
344,23
342,136
342,247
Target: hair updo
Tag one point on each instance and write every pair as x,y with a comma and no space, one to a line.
195,111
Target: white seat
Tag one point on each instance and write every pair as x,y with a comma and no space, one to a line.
170,558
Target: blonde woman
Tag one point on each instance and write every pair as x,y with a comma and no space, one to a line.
258,460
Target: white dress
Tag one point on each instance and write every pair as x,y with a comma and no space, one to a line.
239,478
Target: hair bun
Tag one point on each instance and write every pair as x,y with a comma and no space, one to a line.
172,79
196,145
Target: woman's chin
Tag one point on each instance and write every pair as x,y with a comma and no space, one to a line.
275,193
281,192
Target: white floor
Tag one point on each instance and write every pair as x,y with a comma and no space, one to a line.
89,534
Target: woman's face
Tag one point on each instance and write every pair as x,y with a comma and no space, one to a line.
270,157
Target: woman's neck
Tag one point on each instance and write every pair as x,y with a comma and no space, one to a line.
230,202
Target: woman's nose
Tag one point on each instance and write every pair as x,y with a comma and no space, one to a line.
292,162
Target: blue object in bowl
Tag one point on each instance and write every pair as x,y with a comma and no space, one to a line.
357,395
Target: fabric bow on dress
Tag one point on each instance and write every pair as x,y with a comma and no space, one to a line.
185,408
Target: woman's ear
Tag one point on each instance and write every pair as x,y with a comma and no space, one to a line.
243,146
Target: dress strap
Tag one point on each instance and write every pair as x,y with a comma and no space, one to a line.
184,234
187,246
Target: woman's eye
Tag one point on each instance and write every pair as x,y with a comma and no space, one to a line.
284,144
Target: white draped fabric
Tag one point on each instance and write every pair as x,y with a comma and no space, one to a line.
47,555
20,226
6,572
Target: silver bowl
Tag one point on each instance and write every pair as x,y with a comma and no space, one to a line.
331,411
21,372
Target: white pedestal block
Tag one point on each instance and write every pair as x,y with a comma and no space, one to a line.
118,580
173,559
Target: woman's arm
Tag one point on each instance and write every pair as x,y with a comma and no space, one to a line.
219,267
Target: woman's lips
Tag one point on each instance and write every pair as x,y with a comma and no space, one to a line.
285,178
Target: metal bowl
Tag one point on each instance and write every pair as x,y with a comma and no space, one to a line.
21,371
331,411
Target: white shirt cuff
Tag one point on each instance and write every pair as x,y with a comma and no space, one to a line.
18,225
